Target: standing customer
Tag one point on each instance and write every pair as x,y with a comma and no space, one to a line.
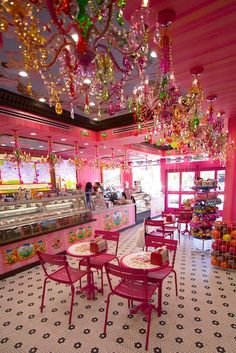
88,190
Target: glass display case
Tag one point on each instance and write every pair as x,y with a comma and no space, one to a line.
143,205
24,219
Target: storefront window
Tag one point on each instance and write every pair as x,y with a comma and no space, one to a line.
173,201
187,181
111,177
221,179
149,179
173,181
207,174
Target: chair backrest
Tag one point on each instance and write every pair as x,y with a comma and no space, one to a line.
153,223
110,236
185,216
156,242
129,274
57,260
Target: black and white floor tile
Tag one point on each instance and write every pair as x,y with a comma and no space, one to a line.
201,319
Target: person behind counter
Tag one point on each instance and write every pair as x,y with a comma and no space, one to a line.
79,189
98,187
88,190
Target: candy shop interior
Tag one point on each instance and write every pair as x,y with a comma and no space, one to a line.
111,112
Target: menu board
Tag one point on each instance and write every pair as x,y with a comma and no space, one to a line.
9,173
27,171
43,173
65,175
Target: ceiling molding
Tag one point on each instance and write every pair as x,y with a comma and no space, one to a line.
29,105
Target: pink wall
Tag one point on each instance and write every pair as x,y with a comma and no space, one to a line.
229,212
88,174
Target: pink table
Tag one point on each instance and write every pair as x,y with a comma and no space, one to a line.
82,250
141,260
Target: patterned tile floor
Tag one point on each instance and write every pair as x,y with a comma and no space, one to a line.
201,319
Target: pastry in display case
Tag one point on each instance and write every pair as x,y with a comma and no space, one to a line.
23,219
142,201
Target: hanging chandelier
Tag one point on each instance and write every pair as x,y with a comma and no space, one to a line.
52,159
81,48
77,161
17,156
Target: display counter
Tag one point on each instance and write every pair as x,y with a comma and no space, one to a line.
50,225
115,218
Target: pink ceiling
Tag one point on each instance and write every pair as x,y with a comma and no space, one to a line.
204,33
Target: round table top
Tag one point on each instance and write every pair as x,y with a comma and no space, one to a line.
140,260
80,250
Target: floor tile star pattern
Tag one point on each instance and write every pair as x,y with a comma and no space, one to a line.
201,319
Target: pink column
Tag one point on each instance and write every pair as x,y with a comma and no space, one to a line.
229,211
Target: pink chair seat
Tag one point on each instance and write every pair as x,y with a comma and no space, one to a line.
62,275
135,290
133,285
161,274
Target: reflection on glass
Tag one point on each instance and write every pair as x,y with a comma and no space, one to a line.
187,180
221,179
173,201
220,207
186,197
173,181
207,174
111,177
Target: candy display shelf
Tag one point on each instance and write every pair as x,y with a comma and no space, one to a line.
205,210
223,254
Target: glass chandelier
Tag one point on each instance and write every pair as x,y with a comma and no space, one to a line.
81,48
17,156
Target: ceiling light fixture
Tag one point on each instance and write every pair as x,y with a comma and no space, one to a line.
23,74
33,134
42,99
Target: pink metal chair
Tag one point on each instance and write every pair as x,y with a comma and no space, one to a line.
184,217
158,277
133,285
63,274
99,261
161,229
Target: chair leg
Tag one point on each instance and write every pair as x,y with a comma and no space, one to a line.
102,281
43,295
72,301
176,287
106,315
148,317
159,301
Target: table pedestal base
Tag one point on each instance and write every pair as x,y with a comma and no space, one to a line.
144,307
90,290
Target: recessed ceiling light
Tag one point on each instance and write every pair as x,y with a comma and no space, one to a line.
41,146
86,143
92,104
95,119
3,144
12,142
153,54
31,148
81,152
63,149
75,37
63,139
87,81
23,74
42,99
33,134
104,146
119,150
